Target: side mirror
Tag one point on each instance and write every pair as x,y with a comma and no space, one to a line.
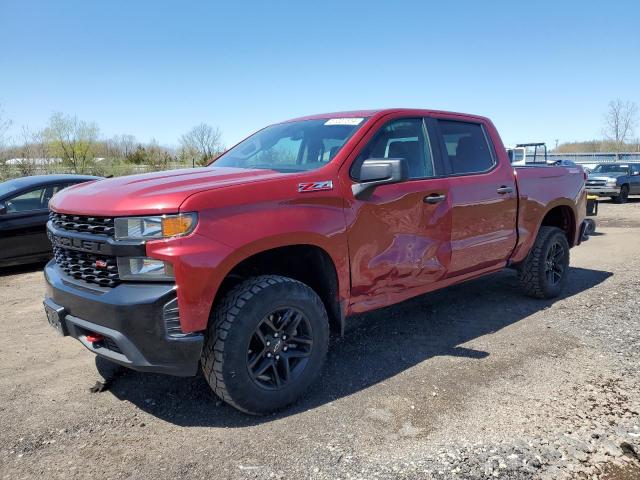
3,208
379,171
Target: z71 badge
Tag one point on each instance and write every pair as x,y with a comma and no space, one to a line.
315,186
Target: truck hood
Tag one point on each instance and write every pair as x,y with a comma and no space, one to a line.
606,176
150,193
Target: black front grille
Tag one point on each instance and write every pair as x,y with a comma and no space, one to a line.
99,269
84,224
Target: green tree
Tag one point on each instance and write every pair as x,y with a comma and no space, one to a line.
74,141
138,156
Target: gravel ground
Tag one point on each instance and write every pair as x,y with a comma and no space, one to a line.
476,381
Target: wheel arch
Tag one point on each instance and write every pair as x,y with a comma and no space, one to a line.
308,263
563,217
560,213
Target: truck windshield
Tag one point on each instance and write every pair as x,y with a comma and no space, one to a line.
611,169
292,147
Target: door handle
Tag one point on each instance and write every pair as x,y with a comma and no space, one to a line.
434,198
504,189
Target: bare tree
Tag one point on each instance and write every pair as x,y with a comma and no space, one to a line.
619,122
127,144
5,123
34,151
202,143
119,147
73,140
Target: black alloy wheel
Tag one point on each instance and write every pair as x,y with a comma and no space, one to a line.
280,348
555,263
266,343
543,274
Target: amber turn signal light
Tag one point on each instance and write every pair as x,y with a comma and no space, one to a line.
175,225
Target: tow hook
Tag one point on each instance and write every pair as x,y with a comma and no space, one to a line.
94,337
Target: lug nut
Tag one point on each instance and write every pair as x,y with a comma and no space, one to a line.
285,348
269,355
268,344
275,334
284,337
277,357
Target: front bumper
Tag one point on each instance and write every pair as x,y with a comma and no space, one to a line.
135,320
603,191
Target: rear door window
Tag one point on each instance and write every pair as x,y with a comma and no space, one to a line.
466,147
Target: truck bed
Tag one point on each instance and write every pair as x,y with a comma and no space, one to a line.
538,187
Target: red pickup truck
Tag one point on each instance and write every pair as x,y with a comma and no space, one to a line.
245,266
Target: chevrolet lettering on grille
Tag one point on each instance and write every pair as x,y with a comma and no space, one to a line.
76,243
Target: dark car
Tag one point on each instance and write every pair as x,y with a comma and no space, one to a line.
562,163
615,180
24,213
567,163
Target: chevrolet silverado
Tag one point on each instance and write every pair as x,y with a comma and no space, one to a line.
243,268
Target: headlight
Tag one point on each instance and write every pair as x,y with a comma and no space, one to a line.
161,226
144,268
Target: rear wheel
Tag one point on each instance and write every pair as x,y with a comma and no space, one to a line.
266,343
544,272
624,195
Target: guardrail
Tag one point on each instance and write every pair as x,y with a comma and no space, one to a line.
606,157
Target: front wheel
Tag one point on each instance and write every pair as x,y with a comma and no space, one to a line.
591,227
624,195
266,343
544,272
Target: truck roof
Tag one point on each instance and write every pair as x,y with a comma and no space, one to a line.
382,112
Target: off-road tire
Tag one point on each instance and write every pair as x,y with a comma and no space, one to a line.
624,195
532,272
233,322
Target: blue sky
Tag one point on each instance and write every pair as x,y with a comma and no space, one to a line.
541,70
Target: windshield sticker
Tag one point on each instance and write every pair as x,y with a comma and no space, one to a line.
344,121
